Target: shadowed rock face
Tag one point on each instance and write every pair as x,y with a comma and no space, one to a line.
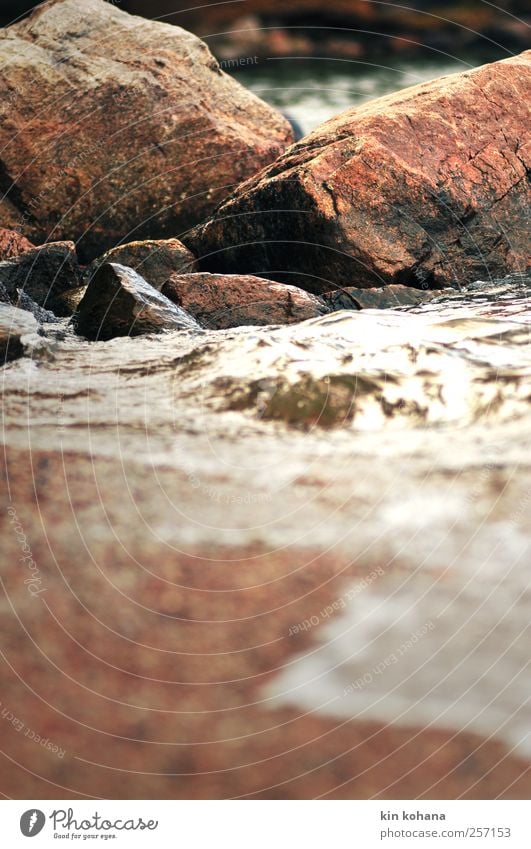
424,188
220,301
119,302
115,126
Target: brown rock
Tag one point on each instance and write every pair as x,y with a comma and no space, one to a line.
218,301
43,274
119,302
424,188
155,260
12,244
115,127
14,324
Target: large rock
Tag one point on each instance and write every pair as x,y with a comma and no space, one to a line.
155,260
219,301
42,274
119,302
14,325
427,187
117,127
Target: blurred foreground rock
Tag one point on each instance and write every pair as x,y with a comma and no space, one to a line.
14,324
43,274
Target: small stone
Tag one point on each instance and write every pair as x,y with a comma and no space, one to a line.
380,298
12,244
427,187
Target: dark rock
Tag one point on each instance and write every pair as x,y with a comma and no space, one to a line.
219,301
14,324
154,259
119,302
12,244
426,188
42,273
385,297
24,302
119,127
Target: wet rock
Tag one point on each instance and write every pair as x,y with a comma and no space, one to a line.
384,297
154,259
219,301
423,188
12,244
118,127
119,302
42,273
14,325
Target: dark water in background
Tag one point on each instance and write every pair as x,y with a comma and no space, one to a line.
314,90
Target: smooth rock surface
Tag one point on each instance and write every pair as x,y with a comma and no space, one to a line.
118,128
154,259
43,274
220,301
425,188
119,302
191,557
